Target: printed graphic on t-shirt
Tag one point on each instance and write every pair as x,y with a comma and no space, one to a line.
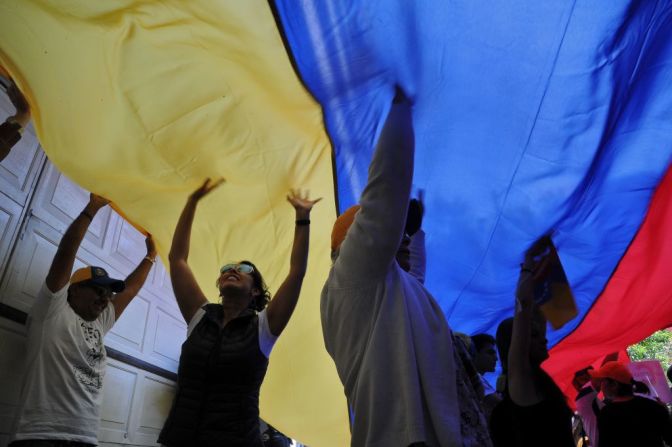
89,374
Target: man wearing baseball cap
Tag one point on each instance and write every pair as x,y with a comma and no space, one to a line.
61,396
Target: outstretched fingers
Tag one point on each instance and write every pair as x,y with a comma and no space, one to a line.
207,186
300,200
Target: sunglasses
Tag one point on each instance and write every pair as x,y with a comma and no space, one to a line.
240,268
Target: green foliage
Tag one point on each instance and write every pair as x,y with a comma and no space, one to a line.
657,347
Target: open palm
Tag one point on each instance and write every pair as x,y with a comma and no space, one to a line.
300,201
207,186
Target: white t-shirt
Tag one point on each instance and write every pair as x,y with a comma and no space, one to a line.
266,339
61,395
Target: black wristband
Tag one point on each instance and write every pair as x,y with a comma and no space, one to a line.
85,214
301,222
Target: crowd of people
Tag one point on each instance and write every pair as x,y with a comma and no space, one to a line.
408,378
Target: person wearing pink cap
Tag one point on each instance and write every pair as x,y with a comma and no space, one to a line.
629,420
61,396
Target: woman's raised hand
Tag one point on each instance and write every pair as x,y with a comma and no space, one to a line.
207,186
300,201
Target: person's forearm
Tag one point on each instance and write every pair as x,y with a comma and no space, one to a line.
64,260
74,235
179,249
298,262
522,387
519,351
22,115
385,199
135,280
520,379
22,118
375,236
134,283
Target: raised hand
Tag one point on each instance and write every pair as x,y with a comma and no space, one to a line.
536,261
151,247
301,203
416,211
18,99
207,186
97,202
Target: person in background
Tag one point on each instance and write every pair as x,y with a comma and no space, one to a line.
626,419
534,411
485,357
588,406
225,357
66,358
485,361
10,130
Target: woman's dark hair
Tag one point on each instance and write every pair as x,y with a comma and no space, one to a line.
261,300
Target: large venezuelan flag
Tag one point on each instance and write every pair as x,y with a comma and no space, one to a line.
529,116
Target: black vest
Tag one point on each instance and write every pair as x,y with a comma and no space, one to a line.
218,381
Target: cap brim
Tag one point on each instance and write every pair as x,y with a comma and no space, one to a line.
115,285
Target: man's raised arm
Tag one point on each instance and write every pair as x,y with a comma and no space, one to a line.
375,235
64,260
136,279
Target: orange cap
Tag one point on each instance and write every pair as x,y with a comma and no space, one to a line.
613,370
341,226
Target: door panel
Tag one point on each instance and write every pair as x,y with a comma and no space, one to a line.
118,393
152,409
58,201
10,218
128,333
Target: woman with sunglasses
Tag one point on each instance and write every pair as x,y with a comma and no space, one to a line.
224,359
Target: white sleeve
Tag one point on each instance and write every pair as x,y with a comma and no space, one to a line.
108,318
48,302
198,316
266,339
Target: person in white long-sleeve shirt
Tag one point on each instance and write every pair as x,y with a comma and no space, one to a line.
387,335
